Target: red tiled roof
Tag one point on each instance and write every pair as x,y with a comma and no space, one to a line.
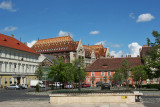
106,64
11,42
58,44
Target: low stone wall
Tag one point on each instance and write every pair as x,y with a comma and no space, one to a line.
93,98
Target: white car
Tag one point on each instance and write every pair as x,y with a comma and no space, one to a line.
13,86
68,86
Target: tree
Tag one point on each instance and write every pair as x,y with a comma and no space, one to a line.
139,74
58,70
152,60
124,69
39,73
105,79
117,76
93,79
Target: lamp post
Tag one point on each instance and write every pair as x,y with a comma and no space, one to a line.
79,87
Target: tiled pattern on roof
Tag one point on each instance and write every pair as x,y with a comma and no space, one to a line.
112,63
66,43
99,50
58,44
11,42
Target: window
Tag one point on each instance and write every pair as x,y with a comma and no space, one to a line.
0,53
29,80
0,67
10,68
5,67
5,81
102,73
10,81
0,81
109,73
26,80
92,82
92,74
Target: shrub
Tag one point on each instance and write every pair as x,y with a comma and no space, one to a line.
152,86
52,87
37,88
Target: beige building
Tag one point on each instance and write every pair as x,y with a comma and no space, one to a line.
17,62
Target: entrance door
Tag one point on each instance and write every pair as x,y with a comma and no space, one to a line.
18,80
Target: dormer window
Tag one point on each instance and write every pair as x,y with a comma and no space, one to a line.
5,39
18,43
104,65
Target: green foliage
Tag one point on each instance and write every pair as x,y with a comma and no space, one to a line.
37,88
63,72
105,79
117,76
39,73
152,59
139,73
156,86
52,87
93,79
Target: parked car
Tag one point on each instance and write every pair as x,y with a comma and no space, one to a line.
13,86
88,85
84,85
23,86
105,86
98,84
67,86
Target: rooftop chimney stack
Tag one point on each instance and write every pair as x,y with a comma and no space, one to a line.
12,35
121,56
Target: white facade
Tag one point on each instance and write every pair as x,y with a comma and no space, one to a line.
17,64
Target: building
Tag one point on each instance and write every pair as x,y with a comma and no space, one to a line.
69,49
106,67
18,62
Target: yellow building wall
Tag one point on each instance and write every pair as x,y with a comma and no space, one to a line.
11,77
7,79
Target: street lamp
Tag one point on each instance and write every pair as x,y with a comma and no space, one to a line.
79,88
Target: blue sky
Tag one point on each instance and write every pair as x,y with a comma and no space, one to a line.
121,25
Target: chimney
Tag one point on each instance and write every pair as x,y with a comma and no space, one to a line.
129,56
25,43
12,35
121,56
138,56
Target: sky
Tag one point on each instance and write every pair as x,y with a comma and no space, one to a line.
120,25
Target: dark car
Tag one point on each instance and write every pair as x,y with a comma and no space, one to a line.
88,85
98,84
84,85
105,86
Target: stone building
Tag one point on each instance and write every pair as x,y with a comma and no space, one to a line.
69,49
17,62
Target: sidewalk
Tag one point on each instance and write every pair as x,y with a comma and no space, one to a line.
47,104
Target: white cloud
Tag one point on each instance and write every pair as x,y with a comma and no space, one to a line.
94,32
131,15
31,43
116,55
62,33
145,17
101,42
134,49
7,5
9,29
